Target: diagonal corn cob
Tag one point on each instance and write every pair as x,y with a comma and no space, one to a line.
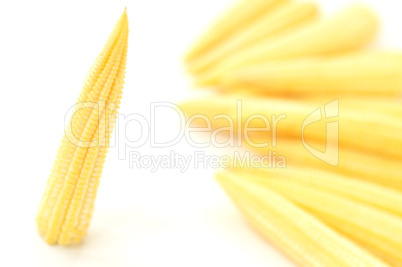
355,74
385,105
368,167
346,187
361,129
376,229
305,239
348,30
67,204
284,17
239,16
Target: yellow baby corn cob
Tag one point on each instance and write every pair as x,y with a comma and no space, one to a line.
359,129
348,187
381,104
365,166
239,16
68,202
352,28
385,105
281,18
376,229
305,239
353,74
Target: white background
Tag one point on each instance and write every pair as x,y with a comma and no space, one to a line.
166,218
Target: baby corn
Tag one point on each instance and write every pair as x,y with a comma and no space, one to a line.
352,28
385,105
336,201
361,129
375,228
68,202
355,74
364,166
239,16
301,236
347,187
284,17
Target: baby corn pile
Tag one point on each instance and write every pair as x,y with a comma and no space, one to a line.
68,202
289,82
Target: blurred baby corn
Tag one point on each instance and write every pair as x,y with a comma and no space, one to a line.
294,83
351,74
67,205
366,213
361,129
352,28
302,237
239,16
281,18
364,166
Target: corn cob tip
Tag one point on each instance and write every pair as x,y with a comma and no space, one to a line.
237,17
67,205
205,80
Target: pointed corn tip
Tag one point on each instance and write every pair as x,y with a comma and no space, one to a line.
206,80
196,67
124,14
67,205
224,180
